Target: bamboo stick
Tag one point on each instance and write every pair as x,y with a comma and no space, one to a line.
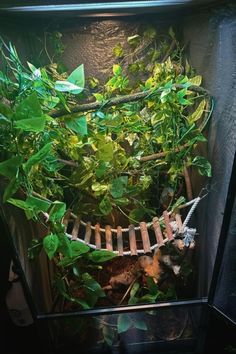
75,230
132,241
108,235
88,232
119,241
145,237
158,233
97,236
169,232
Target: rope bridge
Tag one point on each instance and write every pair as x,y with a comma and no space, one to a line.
114,239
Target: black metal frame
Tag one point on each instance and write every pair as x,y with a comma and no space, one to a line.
231,195
84,8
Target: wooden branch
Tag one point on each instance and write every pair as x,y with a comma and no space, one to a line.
189,190
68,163
158,155
92,106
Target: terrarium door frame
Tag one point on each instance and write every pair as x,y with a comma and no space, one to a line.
200,306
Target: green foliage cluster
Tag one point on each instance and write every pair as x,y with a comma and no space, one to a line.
91,161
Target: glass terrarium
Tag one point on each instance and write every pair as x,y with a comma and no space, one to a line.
118,141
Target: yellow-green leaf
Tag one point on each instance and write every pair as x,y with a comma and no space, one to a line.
196,80
196,115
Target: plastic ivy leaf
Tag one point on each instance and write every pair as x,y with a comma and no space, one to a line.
105,206
38,157
29,109
124,323
100,256
78,125
118,186
50,244
78,248
57,211
11,188
140,324
66,86
196,80
77,76
10,167
116,69
204,166
74,83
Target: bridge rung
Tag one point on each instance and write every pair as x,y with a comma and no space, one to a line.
119,241
145,237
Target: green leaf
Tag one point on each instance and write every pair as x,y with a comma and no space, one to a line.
204,166
118,186
99,97
150,33
118,51
38,204
32,124
148,298
50,245
105,151
66,86
152,286
78,248
99,188
196,80
122,201
136,215
92,285
64,244
5,111
105,206
108,334
140,324
133,299
35,248
9,168
77,76
124,323
100,256
38,157
134,40
180,96
100,171
78,125
116,69
57,211
197,113
11,188
29,108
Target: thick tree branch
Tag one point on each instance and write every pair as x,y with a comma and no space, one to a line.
92,106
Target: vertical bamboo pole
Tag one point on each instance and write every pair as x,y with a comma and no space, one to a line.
75,230
158,233
88,232
169,232
97,236
145,237
132,241
119,241
108,235
66,218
